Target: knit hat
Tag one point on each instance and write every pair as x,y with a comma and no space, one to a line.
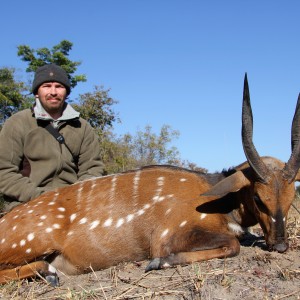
50,73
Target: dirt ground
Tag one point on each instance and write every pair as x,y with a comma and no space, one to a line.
254,274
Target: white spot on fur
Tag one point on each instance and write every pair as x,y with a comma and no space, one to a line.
183,179
61,209
120,222
158,198
48,230
14,228
43,217
15,217
140,212
182,223
70,233
30,211
30,237
28,251
273,220
107,223
168,211
129,218
165,232
2,241
93,183
73,217
203,216
160,181
3,219
56,226
236,228
60,216
22,243
146,206
40,224
94,224
14,245
82,221
51,203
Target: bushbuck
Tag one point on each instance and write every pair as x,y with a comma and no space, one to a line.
169,215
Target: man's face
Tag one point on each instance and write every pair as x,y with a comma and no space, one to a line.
52,96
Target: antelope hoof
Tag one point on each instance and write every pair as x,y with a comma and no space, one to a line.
52,279
153,265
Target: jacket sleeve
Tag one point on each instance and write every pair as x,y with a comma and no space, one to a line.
12,183
89,161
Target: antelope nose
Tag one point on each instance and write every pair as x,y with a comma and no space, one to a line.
280,247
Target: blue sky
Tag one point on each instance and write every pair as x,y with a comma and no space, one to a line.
177,62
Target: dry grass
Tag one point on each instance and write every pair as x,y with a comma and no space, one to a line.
254,274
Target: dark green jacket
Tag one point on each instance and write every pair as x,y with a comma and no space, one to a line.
51,164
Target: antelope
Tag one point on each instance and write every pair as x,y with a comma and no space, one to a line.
167,214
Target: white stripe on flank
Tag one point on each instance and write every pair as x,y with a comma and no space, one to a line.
160,184
79,191
136,181
113,187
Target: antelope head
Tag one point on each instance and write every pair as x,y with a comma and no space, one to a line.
272,181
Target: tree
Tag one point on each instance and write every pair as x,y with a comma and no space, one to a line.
150,148
58,55
95,107
134,151
12,96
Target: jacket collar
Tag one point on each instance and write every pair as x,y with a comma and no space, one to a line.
69,113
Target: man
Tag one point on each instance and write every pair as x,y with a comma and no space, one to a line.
33,158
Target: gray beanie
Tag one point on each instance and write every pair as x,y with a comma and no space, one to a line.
50,73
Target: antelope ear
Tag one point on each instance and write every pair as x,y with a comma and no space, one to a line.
230,184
